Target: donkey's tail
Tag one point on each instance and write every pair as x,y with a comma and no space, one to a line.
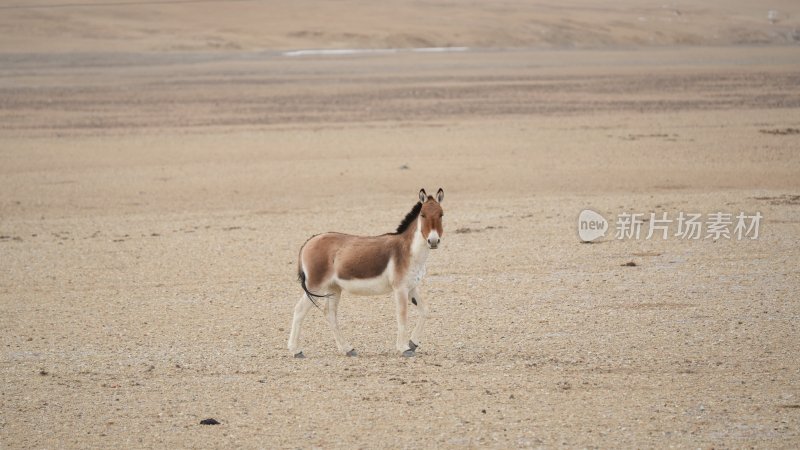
301,276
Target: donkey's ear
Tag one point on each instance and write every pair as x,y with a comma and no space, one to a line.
440,195
422,196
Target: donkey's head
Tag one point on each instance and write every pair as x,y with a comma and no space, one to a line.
430,217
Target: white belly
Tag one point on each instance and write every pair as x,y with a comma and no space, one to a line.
368,286
382,284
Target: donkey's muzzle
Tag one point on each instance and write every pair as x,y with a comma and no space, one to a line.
433,239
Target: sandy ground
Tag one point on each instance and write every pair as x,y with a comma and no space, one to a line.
152,204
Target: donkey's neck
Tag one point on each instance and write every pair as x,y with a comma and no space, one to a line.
418,248
415,253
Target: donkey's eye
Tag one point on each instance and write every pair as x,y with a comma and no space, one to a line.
422,215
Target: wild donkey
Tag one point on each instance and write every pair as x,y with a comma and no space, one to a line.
331,263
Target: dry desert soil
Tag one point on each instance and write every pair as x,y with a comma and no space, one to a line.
159,175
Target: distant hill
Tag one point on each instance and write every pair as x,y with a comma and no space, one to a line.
251,25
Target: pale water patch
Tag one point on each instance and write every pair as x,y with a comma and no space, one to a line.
362,51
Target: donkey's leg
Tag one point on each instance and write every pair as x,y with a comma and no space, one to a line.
331,310
300,310
401,308
424,311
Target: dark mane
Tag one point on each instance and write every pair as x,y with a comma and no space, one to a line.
409,218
